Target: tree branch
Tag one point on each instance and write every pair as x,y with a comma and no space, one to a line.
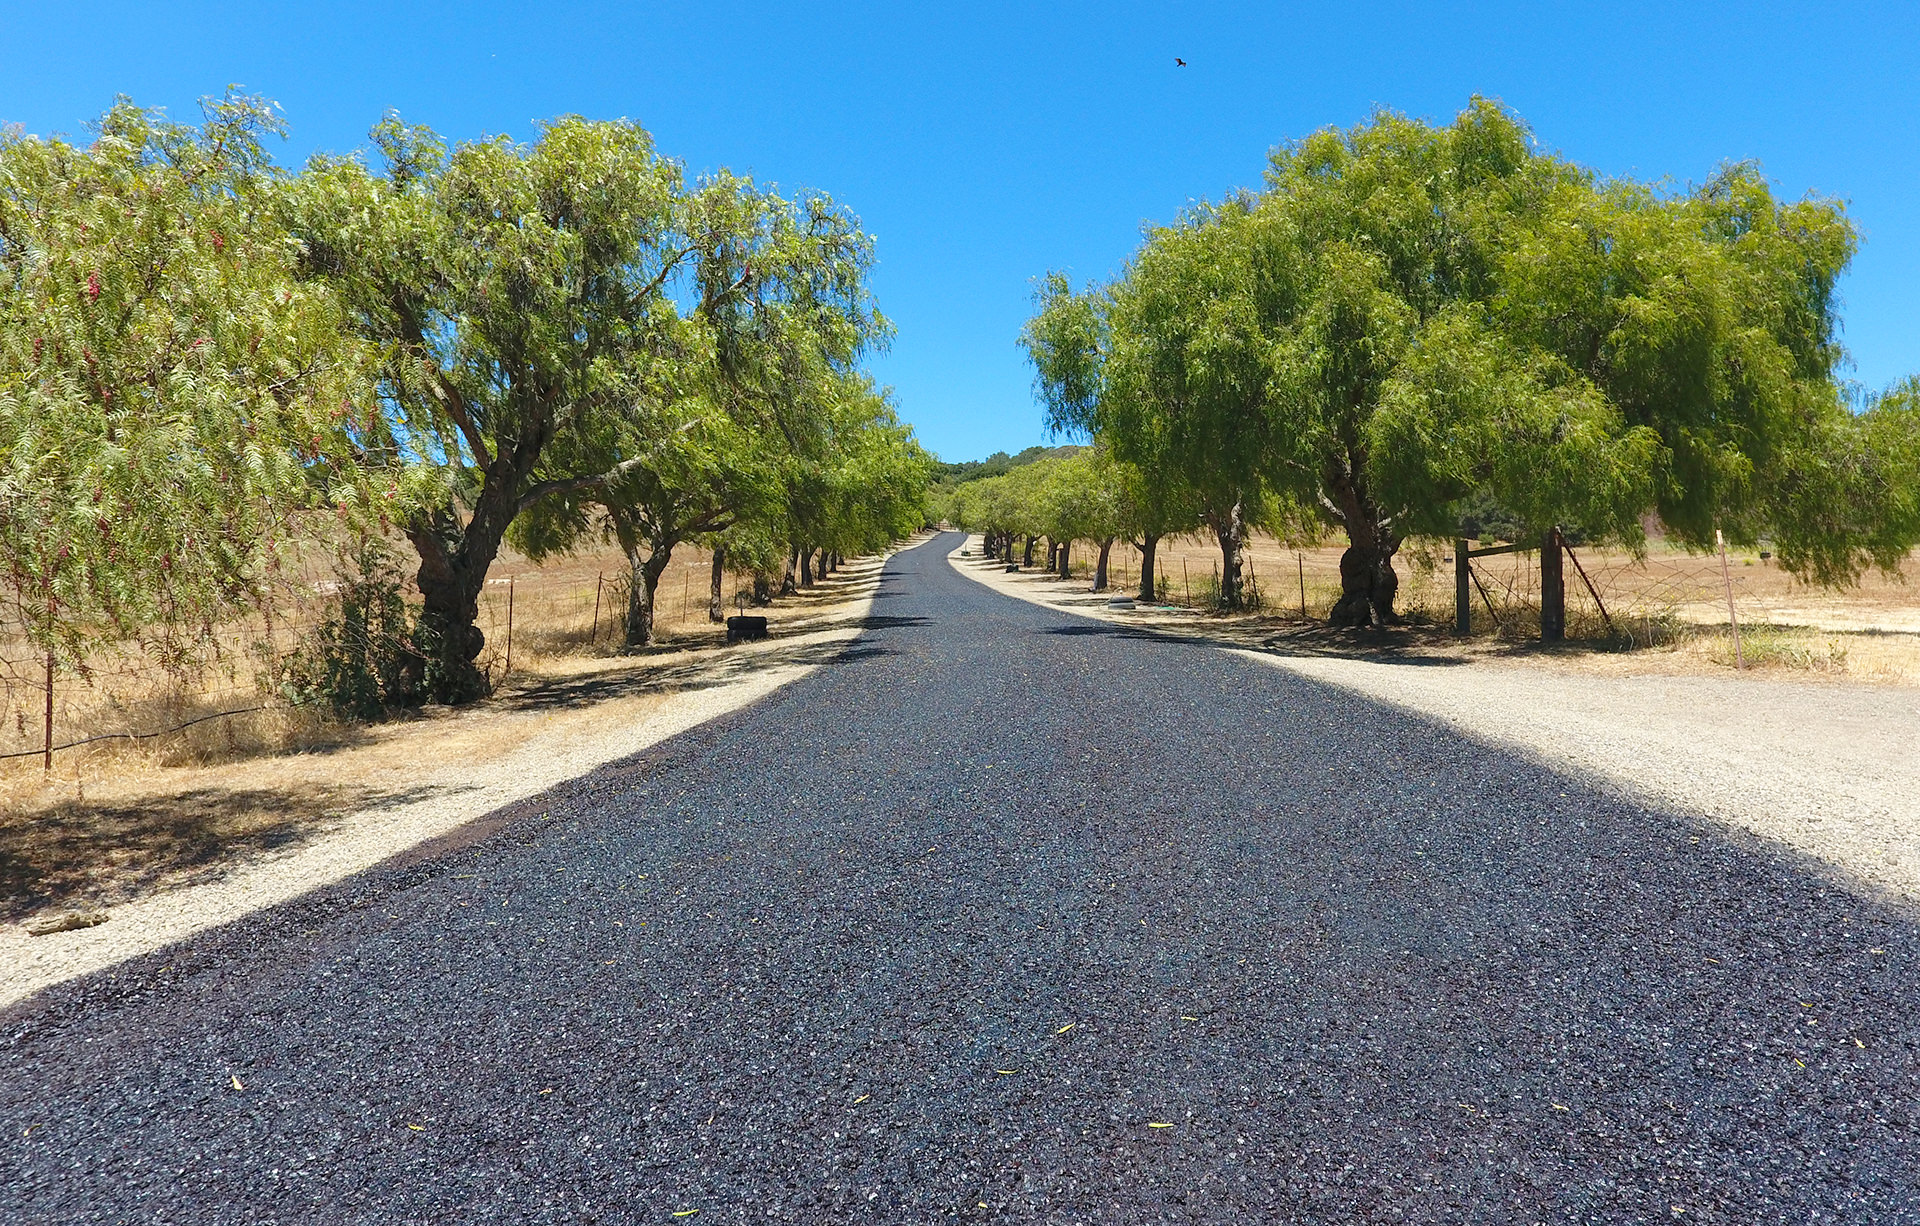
569,485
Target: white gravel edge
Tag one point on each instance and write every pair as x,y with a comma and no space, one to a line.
456,796
1822,769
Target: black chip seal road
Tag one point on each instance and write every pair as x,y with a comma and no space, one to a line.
1010,916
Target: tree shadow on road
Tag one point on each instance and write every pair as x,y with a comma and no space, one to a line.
1383,647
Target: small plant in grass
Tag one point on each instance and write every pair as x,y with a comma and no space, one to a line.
357,663
1764,646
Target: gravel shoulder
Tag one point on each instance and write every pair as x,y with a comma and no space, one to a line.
558,740
1829,769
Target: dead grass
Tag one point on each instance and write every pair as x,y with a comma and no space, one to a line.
119,819
1667,612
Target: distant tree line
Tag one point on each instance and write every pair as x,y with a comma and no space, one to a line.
547,344
1411,326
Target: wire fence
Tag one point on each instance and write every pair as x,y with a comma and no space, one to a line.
1610,594
233,696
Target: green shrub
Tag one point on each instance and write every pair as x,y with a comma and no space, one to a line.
357,663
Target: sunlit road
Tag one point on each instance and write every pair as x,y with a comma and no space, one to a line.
1009,916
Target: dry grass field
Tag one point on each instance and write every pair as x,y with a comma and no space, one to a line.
1669,607
120,817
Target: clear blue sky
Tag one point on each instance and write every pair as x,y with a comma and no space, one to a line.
986,145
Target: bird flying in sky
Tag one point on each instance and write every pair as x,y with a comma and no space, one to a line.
1178,62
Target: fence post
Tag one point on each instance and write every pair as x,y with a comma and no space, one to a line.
1553,590
1739,659
1300,564
46,756
601,583
509,665
1462,588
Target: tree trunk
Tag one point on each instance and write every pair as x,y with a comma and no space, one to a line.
787,587
1149,544
1367,587
806,566
1031,542
1231,531
446,642
644,580
1066,559
762,590
1100,566
1367,582
716,610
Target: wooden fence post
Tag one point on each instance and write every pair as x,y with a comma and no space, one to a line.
1462,588
1553,590
1733,618
601,583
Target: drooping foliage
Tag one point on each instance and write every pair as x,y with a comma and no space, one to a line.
172,397
1411,317
200,353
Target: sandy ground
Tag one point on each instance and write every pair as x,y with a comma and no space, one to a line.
518,747
1827,767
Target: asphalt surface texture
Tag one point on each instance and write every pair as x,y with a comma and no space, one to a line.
1010,916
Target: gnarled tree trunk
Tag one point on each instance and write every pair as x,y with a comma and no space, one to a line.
716,610
1100,567
1031,542
1368,583
645,569
1066,559
446,642
1148,545
806,566
1230,530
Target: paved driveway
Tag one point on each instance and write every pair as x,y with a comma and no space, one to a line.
1010,916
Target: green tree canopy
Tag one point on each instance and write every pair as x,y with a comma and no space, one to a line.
719,415
169,391
523,293
1411,316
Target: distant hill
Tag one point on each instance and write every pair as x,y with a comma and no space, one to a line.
947,476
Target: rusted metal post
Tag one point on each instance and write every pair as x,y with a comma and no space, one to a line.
1591,590
46,755
1487,600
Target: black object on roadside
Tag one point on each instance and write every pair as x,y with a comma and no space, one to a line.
745,629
